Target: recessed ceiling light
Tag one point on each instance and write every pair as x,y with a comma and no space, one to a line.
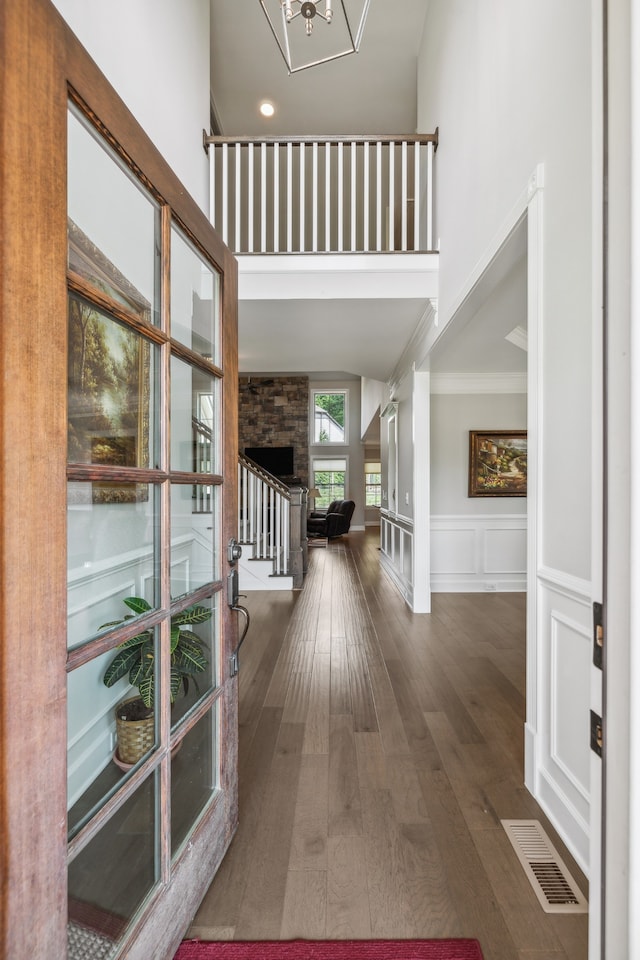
267,109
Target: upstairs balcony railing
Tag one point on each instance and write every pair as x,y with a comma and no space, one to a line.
323,194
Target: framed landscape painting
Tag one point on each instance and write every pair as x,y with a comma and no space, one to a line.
497,463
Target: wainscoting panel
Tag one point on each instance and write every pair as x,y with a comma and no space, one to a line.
396,552
476,553
562,777
453,552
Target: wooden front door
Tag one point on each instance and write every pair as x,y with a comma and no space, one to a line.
119,427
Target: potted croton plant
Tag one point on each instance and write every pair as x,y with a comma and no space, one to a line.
136,657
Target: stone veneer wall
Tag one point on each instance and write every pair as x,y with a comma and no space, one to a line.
274,411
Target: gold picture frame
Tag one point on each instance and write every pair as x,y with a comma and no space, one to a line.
497,463
109,396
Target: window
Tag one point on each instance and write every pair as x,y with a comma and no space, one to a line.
373,483
330,480
329,416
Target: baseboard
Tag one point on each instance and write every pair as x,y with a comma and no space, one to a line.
566,820
530,758
478,586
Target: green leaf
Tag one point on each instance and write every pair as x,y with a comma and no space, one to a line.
141,667
136,656
192,615
137,604
137,641
190,659
114,623
120,666
174,688
146,689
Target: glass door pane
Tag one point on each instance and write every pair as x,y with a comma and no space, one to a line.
113,224
112,876
194,777
146,612
195,299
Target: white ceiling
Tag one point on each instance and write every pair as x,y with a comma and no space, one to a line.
371,92
361,337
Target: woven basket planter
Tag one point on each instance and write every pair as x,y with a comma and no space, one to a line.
135,737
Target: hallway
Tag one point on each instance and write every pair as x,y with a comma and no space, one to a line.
378,752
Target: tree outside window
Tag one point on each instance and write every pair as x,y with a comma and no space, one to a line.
329,416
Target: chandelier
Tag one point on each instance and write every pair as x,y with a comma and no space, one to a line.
310,33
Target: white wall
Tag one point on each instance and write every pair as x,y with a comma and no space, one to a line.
155,53
511,89
477,543
452,417
372,394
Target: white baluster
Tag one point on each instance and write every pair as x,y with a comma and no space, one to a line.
250,200
403,237
287,538
303,153
289,197
278,558
430,196
327,197
263,197
378,197
314,213
417,207
238,201
354,157
365,198
392,174
340,201
276,197
213,152
225,192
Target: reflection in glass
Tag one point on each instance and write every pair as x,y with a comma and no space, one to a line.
112,224
195,300
97,738
194,433
199,682
193,563
194,777
110,376
111,877
110,553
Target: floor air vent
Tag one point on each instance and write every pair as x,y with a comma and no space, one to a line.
554,886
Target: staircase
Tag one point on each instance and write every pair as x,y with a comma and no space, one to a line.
271,530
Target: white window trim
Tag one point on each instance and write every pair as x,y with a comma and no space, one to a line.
312,418
312,470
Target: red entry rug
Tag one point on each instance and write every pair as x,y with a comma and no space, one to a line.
330,950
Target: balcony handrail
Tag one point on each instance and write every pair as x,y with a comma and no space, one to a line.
332,138
324,194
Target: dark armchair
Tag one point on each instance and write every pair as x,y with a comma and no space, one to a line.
334,522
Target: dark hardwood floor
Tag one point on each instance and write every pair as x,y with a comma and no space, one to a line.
379,750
